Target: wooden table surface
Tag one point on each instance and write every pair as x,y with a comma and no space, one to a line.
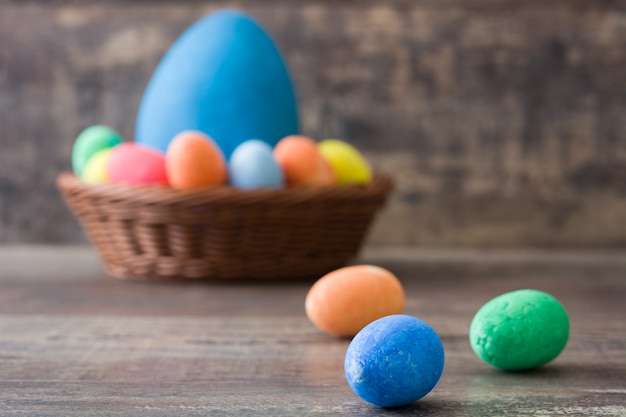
74,342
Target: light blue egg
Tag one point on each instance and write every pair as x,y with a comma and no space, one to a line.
225,77
252,165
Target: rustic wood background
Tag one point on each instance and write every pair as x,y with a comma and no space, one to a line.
503,121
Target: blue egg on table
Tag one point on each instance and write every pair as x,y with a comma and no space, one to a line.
252,165
225,77
394,361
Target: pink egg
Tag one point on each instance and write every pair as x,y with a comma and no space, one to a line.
130,163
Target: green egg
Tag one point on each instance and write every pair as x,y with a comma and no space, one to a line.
90,141
520,330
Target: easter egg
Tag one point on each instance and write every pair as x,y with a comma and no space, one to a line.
394,361
225,77
194,160
349,165
130,163
344,301
90,141
302,162
520,330
252,165
95,171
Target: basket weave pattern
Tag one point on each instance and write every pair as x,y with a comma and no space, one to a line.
222,232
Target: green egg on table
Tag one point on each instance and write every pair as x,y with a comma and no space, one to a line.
90,141
520,330
95,171
349,165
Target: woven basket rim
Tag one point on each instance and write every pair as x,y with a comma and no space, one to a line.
221,232
158,194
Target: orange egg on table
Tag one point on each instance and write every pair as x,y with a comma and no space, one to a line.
302,163
344,301
193,159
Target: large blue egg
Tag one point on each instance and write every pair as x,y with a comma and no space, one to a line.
394,361
225,77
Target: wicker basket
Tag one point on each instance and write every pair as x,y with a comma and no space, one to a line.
222,232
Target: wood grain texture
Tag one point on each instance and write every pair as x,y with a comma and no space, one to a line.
74,342
502,121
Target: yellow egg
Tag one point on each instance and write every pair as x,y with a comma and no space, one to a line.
344,301
95,170
347,162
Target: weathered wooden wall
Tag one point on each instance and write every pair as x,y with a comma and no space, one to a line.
503,122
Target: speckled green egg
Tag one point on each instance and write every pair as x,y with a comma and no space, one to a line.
520,330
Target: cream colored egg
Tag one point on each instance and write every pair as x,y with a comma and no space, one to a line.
95,170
